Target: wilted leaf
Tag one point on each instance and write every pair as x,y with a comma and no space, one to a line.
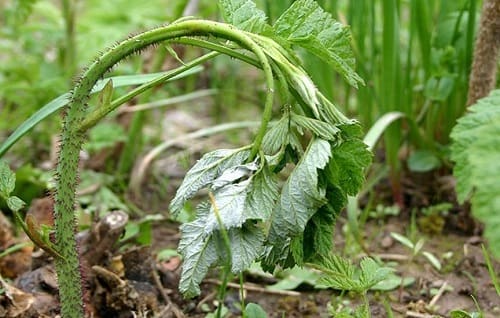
319,128
246,246
199,252
207,169
301,195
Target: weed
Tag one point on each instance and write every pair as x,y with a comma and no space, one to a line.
246,219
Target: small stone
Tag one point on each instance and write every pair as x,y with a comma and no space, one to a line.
475,240
387,242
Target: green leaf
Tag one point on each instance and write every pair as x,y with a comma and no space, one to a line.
433,260
460,314
318,233
277,136
319,128
306,24
106,95
403,240
301,195
292,278
423,161
15,204
467,132
204,172
392,281
254,311
244,15
61,101
338,273
372,273
262,195
7,180
476,151
199,252
346,168
246,246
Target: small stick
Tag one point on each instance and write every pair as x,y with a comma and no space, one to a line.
440,293
173,307
206,299
253,288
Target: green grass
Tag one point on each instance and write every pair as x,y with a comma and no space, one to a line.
415,58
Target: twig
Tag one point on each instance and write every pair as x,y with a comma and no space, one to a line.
440,293
253,288
206,299
173,307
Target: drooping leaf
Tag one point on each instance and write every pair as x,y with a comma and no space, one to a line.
301,195
233,174
230,205
306,24
252,198
346,168
243,14
199,252
318,234
277,136
319,128
246,246
262,195
207,169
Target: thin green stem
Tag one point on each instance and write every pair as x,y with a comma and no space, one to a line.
218,48
227,246
99,113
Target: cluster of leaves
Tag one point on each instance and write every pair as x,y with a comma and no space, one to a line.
476,152
278,224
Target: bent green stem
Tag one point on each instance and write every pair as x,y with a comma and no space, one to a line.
76,123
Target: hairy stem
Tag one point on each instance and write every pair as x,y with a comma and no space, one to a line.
72,138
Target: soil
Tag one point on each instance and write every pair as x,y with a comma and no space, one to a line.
127,280
121,280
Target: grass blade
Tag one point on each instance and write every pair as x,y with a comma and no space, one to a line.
61,101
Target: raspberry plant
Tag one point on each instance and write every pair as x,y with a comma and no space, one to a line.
250,215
